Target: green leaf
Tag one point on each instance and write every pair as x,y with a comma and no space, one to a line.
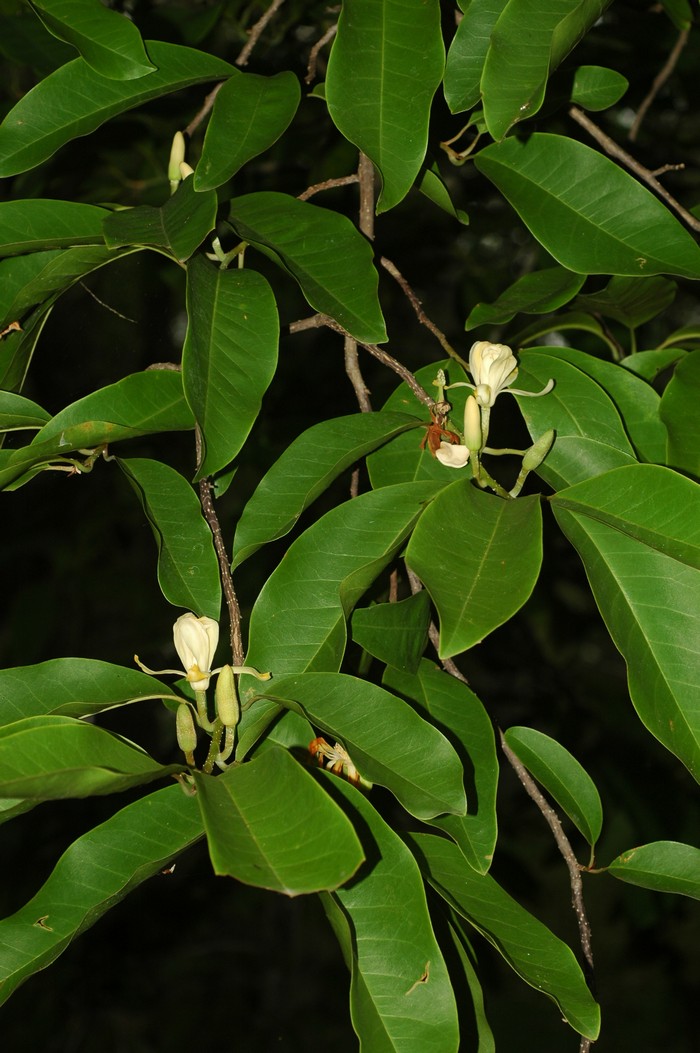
109,42
93,875
636,530
535,293
680,12
465,952
648,364
188,570
229,357
250,114
632,301
270,824
479,558
71,687
665,866
26,226
678,410
178,228
387,741
535,953
569,197
558,324
139,404
562,777
18,413
433,187
395,633
74,101
467,53
385,65
597,88
462,718
50,757
323,251
298,621
17,349
401,997
590,438
305,469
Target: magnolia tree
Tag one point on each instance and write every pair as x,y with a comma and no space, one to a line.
323,736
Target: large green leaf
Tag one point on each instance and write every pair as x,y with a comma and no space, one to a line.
462,718
562,776
93,875
590,437
19,414
401,998
386,739
587,212
396,633
666,866
108,41
71,687
250,113
679,412
534,293
305,469
140,404
50,757
637,531
529,947
270,823
75,100
479,558
17,349
326,254
631,301
27,226
188,570
385,66
467,54
178,227
229,357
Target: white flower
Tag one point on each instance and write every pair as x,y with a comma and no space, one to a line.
195,642
452,456
494,368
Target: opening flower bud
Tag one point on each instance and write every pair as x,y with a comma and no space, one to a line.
196,640
177,156
226,698
472,424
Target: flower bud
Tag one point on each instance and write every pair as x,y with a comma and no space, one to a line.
538,451
493,367
472,424
226,698
195,642
186,731
177,156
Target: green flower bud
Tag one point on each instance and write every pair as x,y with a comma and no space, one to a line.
186,731
226,698
538,451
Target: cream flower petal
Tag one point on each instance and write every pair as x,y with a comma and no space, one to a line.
452,456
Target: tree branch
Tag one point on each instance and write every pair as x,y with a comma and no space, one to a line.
420,313
658,82
257,31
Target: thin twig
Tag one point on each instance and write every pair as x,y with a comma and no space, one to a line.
659,81
612,148
96,298
434,633
328,184
564,847
257,31
207,502
418,308
314,53
205,108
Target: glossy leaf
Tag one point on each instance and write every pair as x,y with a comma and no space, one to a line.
433,187
326,254
679,406
534,293
467,53
179,227
17,349
188,570
487,1043
529,947
680,13
558,324
666,866
32,225
462,718
305,469
250,113
568,196
229,357
269,823
139,404
649,364
401,998
298,620
395,633
597,88
479,558
109,42
74,101
562,777
636,530
93,875
386,739
590,438
18,413
71,687
50,757
632,301
386,63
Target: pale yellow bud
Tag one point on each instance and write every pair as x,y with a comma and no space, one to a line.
226,698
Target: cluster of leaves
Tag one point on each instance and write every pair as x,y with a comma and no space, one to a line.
393,868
